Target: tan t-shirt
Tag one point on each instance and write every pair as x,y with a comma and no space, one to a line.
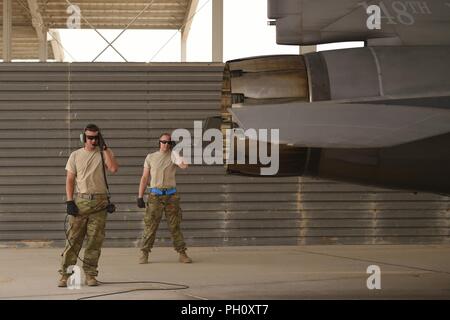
87,167
162,169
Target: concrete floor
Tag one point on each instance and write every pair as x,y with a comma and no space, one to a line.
283,272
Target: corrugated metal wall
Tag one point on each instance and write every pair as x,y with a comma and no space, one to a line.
42,115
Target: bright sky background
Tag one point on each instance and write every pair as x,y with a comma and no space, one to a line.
246,34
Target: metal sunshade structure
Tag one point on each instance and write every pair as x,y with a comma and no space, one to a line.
33,22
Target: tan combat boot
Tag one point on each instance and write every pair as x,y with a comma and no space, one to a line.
143,259
91,281
62,283
184,257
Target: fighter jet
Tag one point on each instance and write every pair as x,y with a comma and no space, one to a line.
376,115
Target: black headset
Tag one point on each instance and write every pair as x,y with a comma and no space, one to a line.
90,127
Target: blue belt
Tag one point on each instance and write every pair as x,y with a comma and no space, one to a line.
162,192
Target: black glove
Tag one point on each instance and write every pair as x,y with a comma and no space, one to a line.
101,142
140,203
111,207
72,208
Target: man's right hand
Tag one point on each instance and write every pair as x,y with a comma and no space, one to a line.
140,203
72,208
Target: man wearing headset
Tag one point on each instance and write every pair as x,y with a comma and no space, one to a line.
88,210
160,167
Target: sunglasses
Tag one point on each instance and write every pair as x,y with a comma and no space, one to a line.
165,141
92,137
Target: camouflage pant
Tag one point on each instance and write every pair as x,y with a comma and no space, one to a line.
90,222
170,204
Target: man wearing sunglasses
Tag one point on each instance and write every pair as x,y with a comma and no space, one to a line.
160,167
88,210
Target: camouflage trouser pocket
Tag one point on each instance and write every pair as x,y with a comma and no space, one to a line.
152,218
86,206
173,206
154,209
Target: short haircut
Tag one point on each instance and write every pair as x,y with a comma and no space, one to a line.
165,134
91,127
